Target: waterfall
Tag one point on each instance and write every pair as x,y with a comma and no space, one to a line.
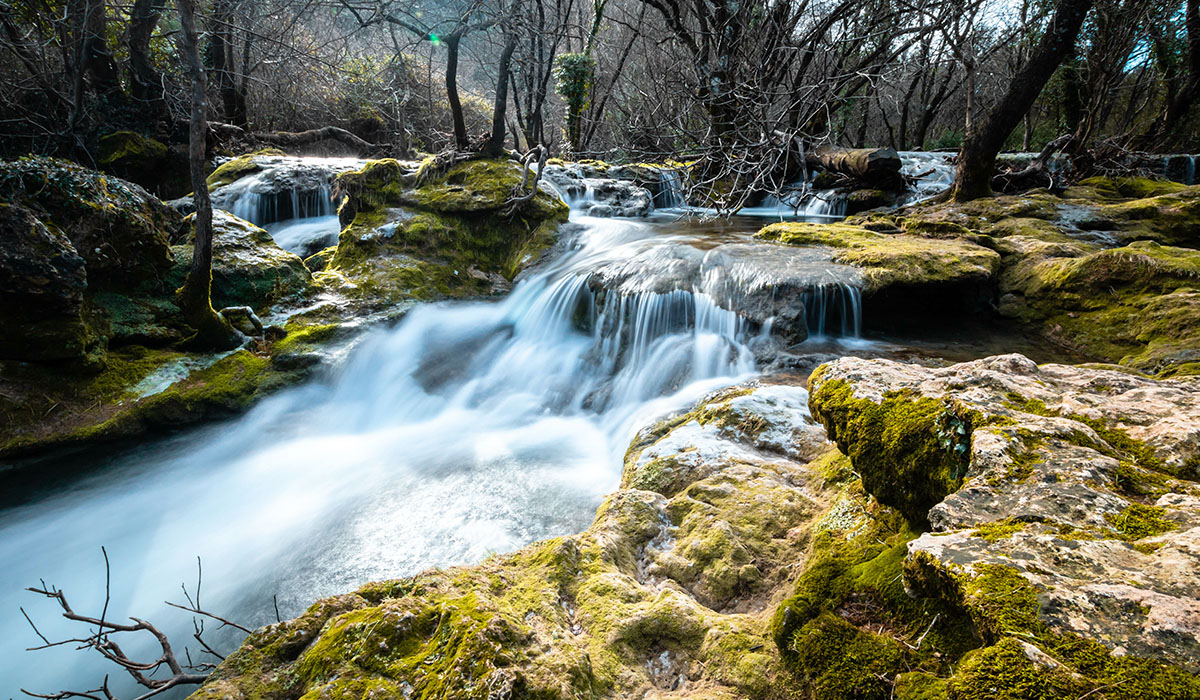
467,428
832,303
669,193
292,198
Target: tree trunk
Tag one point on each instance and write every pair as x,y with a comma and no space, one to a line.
145,82
875,166
495,144
98,64
456,113
195,300
977,158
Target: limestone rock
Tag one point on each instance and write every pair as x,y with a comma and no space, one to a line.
1080,481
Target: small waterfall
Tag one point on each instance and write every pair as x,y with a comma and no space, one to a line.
467,428
274,207
835,307
292,198
1190,177
829,204
669,193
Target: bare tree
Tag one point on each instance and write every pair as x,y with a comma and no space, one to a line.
195,297
977,158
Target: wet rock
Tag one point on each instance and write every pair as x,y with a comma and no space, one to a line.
1073,486
795,292
902,275
596,196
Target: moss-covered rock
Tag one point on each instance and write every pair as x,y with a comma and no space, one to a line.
42,285
248,269
895,261
120,230
146,161
911,450
1137,305
436,233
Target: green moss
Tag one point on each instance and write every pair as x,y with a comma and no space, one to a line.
919,685
910,450
840,662
892,259
303,337
128,149
1004,672
435,234
1139,521
1003,529
233,170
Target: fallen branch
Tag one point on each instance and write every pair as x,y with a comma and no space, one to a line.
102,633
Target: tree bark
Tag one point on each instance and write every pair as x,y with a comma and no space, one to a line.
495,144
977,158
145,82
195,296
456,113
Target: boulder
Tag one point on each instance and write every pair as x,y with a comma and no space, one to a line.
248,268
146,161
1137,305
42,285
903,273
121,231
441,231
797,292
1062,500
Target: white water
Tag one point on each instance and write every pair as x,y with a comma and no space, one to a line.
292,198
468,428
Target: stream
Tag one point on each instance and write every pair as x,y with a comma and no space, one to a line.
467,428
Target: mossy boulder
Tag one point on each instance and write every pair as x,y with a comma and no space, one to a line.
121,231
436,233
1070,522
42,285
903,272
893,260
1137,305
248,268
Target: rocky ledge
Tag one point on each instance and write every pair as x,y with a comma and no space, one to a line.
994,529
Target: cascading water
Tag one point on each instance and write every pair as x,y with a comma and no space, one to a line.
292,198
834,302
467,428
